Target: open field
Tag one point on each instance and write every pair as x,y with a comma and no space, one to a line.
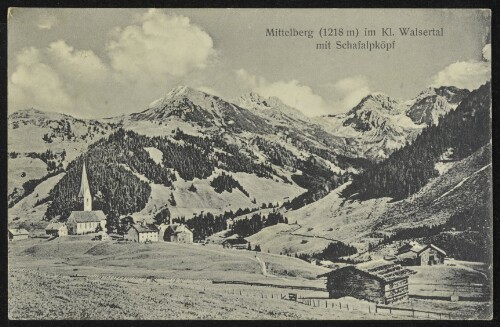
75,278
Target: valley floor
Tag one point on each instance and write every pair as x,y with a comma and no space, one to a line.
75,278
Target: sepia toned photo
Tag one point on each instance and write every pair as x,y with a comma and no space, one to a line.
236,164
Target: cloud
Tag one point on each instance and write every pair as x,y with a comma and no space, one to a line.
159,46
291,93
154,53
46,22
348,92
487,52
466,74
36,84
208,90
57,78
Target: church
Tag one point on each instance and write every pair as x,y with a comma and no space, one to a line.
88,220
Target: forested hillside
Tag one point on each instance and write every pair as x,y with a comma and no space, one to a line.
459,134
120,169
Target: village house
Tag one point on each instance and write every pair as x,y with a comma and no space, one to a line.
177,233
88,220
431,255
376,281
16,234
56,229
235,242
141,233
415,254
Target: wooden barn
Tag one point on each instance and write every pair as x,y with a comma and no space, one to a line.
378,281
415,254
16,234
431,255
235,242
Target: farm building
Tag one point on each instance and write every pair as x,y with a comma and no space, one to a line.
431,255
142,233
235,242
415,254
88,220
57,229
377,281
16,234
177,233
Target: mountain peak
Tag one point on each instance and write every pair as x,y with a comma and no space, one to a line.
36,113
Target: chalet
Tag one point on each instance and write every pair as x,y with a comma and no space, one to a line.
142,233
431,255
415,254
177,233
407,255
235,242
16,234
376,281
57,229
88,220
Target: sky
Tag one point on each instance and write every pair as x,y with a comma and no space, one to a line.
93,63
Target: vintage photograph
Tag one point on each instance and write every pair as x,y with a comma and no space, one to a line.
208,164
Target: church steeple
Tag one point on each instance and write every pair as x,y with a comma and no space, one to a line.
85,191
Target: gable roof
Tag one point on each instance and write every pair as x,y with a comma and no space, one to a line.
54,226
18,231
383,270
430,245
87,216
144,229
235,241
177,229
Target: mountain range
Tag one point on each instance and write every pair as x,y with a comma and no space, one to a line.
189,138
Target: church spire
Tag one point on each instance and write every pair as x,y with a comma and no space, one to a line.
85,191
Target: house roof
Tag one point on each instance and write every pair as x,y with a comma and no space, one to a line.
235,241
412,246
18,231
431,246
144,229
87,216
182,229
383,270
54,226
178,228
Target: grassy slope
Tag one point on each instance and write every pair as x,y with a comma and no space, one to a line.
33,168
41,286
352,222
25,210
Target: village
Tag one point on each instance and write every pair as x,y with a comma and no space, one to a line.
396,279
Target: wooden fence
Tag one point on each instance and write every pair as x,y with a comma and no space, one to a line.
392,309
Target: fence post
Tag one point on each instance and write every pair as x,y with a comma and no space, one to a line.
413,313
340,305
369,309
347,306
376,308
326,304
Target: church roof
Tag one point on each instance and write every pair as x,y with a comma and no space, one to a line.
87,216
84,186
